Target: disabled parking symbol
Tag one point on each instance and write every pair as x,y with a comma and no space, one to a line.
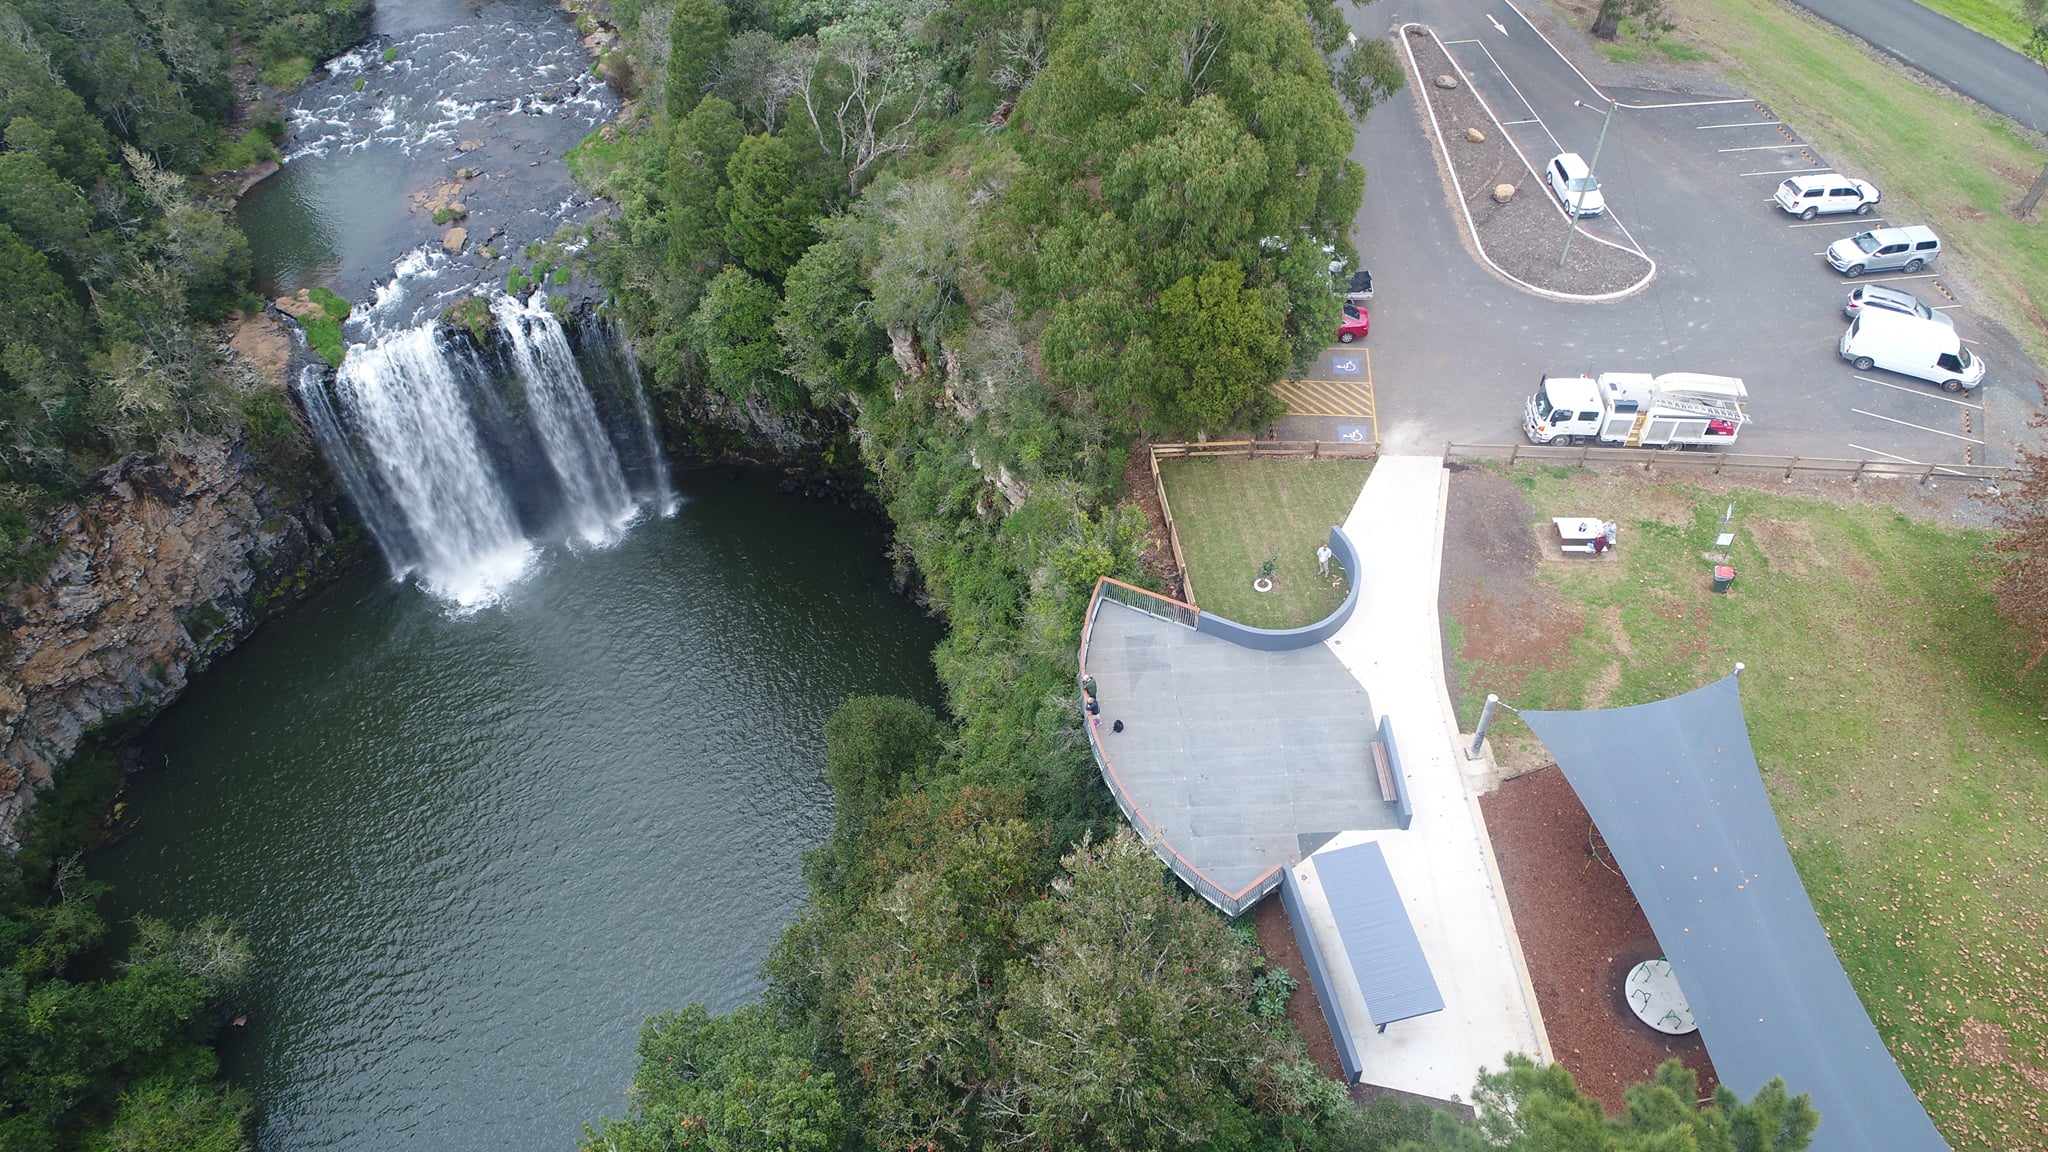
1350,433
1345,365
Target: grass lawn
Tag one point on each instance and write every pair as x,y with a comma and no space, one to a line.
1234,515
1998,19
1938,160
1902,736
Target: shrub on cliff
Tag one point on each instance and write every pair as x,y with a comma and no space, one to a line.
100,1051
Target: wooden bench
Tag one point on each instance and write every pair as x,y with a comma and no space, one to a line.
1384,764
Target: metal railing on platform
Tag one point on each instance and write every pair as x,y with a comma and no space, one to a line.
1150,603
1716,462
1232,903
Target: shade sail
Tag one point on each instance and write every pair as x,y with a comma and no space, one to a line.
1675,791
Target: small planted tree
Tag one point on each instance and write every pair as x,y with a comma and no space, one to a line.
2022,549
1648,14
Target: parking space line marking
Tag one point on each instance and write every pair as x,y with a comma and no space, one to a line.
1744,124
1910,424
1904,459
1861,221
1512,87
1787,146
1944,307
1920,392
1534,170
1595,87
1461,41
1780,171
1518,123
1889,279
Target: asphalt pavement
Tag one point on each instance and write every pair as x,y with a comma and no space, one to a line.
1964,59
1741,288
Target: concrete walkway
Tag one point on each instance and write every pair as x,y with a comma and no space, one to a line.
1444,863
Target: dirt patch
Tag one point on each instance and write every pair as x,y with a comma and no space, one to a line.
1787,545
1304,1010
1155,554
1488,583
1985,1044
1522,237
1581,931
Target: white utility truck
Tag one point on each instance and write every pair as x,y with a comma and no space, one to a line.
1637,410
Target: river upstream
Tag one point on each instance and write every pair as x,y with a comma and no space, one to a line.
551,766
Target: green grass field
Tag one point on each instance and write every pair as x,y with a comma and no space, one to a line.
1902,734
1937,159
1234,515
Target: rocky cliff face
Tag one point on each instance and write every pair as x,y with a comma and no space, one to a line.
160,568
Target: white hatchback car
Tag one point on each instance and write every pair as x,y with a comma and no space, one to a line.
1574,185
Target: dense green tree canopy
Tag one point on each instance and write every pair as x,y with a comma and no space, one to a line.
767,207
1218,345
1530,1107
742,1082
735,326
113,248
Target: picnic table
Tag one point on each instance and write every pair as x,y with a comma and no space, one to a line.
1653,995
1584,533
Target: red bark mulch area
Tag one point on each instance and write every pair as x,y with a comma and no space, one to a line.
1304,1011
1581,931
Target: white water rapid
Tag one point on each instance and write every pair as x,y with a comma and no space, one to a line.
460,456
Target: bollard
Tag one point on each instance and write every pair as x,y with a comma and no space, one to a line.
1485,723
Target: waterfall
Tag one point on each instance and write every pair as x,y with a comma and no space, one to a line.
565,416
663,492
457,455
407,406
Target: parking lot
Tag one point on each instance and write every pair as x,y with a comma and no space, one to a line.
1741,288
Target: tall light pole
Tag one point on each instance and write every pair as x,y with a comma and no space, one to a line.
1579,200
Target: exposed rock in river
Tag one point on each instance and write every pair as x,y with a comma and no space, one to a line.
162,566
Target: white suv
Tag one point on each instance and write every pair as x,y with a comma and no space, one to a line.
1809,196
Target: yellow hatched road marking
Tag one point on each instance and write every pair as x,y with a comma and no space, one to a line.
1326,397
1351,399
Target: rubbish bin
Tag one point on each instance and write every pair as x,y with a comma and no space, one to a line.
1723,577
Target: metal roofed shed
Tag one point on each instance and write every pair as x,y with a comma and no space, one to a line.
1674,789
1380,945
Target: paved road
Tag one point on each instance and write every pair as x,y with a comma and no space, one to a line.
1966,60
1741,289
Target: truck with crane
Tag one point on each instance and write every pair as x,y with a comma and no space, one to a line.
1637,410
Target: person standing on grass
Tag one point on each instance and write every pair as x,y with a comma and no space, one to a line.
1323,559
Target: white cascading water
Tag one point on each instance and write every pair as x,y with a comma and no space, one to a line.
406,404
594,488
650,443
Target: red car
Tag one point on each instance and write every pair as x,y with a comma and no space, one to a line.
1354,325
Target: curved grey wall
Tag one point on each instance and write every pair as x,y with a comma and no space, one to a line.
1282,639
